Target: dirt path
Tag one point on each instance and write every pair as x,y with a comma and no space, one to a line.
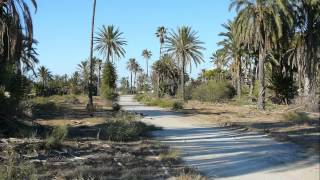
222,153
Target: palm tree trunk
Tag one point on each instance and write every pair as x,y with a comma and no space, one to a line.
90,102
160,50
134,81
253,78
131,83
158,88
262,93
238,58
182,79
147,69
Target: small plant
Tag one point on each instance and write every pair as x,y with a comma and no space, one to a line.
56,137
177,105
299,117
116,107
169,155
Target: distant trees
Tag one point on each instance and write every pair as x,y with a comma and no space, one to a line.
132,66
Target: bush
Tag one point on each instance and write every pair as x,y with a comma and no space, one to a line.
56,137
177,105
298,117
284,87
213,91
116,107
125,128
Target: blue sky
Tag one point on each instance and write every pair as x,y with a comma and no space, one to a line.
63,29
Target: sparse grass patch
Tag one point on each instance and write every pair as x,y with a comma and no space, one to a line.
169,155
56,137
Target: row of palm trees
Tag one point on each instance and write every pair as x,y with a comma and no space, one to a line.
284,34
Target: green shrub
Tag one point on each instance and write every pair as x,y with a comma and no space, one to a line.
299,117
56,137
213,91
125,127
177,105
283,87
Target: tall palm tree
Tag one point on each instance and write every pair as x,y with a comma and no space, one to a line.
185,46
90,101
234,50
109,42
161,34
260,23
131,66
147,55
306,55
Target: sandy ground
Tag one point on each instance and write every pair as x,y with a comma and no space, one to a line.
222,153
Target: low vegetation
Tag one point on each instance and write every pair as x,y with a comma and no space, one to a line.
126,127
56,137
213,91
149,100
12,168
297,117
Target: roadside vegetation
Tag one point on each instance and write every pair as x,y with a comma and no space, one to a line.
264,77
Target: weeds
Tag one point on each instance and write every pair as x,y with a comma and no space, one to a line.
13,169
56,137
169,155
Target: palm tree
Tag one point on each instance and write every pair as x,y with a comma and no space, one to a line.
44,76
131,66
234,50
260,23
84,70
110,43
15,14
90,101
161,34
306,53
185,46
147,55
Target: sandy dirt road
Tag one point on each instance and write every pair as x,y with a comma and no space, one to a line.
221,153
